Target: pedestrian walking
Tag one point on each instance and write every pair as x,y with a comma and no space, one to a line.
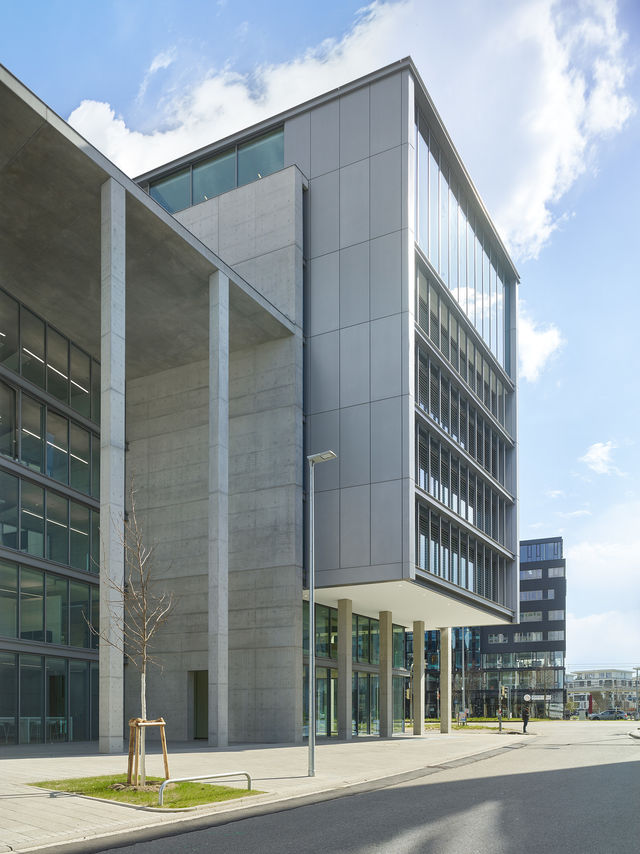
525,718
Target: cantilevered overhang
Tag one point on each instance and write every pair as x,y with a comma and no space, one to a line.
437,602
50,221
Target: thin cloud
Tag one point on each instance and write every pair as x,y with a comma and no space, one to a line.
541,123
537,345
160,61
599,458
553,494
574,514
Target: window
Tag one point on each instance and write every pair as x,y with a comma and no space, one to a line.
260,157
8,444
530,595
31,604
213,177
8,599
32,434
398,646
551,594
9,326
530,616
32,519
556,572
9,510
498,638
555,636
173,192
527,637
527,574
555,615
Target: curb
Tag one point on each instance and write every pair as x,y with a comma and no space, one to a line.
635,734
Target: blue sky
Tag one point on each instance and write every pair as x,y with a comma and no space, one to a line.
542,101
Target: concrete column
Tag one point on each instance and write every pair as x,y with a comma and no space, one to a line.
112,443
345,669
218,510
445,679
418,677
386,678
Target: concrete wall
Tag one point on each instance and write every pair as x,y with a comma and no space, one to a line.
357,151
259,230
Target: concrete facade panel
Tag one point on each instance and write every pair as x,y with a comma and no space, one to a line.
386,275
355,526
354,284
355,430
297,143
386,192
325,139
324,202
386,522
354,126
327,509
354,203
324,293
386,357
324,372
354,365
386,114
387,439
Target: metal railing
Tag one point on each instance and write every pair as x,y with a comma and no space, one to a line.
202,777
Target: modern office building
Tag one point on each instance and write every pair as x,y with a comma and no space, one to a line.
596,690
498,666
328,278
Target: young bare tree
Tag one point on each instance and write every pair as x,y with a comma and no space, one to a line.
145,609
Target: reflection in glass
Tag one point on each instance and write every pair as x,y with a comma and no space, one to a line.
80,385
32,519
8,445
79,701
57,365
9,510
8,697
260,157
79,613
79,536
8,600
31,699
57,609
94,565
57,447
9,325
173,192
95,392
57,528
32,352
56,720
31,604
214,177
79,458
32,433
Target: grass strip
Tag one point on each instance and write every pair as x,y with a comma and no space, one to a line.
176,795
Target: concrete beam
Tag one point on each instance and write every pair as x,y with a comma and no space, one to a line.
418,677
345,669
112,467
218,509
386,676
445,679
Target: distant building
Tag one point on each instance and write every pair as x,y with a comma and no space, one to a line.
602,689
509,662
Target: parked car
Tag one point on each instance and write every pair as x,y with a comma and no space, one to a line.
609,715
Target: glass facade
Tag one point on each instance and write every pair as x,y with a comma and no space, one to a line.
224,171
49,519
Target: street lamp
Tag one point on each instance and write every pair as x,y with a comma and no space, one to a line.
312,459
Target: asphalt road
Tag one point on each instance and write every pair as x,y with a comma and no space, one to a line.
569,789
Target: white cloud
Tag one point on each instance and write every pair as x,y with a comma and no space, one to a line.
574,514
537,344
530,95
607,638
598,458
160,61
555,493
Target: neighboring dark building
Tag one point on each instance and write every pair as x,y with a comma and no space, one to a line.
512,661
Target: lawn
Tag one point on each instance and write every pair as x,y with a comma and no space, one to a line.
114,788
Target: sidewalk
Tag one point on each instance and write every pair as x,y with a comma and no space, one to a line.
33,818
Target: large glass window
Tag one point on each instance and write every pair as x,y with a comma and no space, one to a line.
57,365
57,447
398,646
260,157
57,609
173,192
80,612
56,718
32,519
9,325
79,536
556,572
57,528
8,600
32,434
213,177
32,353
80,386
31,699
8,510
8,444
31,604
8,697
79,458
79,703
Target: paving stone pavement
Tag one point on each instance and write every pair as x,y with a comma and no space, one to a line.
35,818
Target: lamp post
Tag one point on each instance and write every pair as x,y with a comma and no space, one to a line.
312,459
